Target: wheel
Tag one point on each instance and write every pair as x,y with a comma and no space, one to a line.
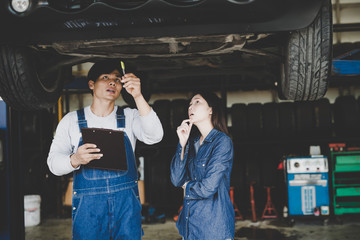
308,59
270,121
23,85
179,112
253,159
253,121
238,119
287,121
346,116
304,118
323,118
238,176
268,164
163,110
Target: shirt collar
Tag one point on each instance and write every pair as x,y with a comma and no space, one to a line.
210,137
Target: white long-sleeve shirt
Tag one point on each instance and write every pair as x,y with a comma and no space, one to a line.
147,129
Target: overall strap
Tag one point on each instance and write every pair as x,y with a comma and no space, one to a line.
81,122
120,118
81,119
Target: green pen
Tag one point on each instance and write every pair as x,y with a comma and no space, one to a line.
123,67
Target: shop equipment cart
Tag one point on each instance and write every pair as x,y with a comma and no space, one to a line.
345,166
307,187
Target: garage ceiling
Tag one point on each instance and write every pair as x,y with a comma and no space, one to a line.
257,67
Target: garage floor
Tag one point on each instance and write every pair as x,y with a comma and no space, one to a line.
60,229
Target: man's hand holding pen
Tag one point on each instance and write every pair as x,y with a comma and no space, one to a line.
132,84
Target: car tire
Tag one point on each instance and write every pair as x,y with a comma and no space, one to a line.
21,86
270,112
179,112
254,121
238,119
346,116
287,122
253,159
323,118
308,59
304,119
163,110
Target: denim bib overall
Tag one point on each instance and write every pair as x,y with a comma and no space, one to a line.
106,203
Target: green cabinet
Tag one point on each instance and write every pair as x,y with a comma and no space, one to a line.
345,168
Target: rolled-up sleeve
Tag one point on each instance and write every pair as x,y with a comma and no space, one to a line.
219,164
148,129
178,167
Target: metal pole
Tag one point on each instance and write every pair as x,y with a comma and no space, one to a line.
15,177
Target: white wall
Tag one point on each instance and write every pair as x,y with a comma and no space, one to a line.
349,12
78,101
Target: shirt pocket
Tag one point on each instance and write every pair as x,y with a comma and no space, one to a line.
201,166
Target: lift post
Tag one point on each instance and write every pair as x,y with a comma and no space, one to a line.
11,184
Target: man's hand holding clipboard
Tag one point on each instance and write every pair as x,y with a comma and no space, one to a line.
85,153
105,149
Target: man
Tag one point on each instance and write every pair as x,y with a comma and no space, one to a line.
106,203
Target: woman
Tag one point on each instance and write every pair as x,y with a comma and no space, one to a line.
202,166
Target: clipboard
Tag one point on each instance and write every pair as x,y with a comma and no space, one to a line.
111,144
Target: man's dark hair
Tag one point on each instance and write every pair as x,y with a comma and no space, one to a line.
103,67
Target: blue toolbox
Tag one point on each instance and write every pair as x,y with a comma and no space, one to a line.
307,186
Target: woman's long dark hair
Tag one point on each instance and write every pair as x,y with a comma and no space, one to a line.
218,113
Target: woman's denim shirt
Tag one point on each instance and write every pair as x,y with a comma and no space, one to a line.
207,211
